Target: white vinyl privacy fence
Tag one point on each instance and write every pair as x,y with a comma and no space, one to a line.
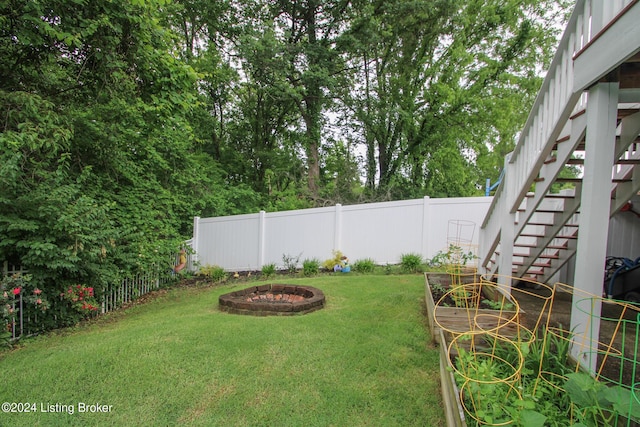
378,231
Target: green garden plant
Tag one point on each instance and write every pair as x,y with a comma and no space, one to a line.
598,404
538,402
493,407
310,267
82,299
336,259
291,262
453,255
495,402
268,270
366,265
463,297
388,269
19,297
215,273
498,305
411,263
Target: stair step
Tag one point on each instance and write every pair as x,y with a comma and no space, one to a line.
617,162
549,256
538,264
556,237
578,114
550,211
543,210
579,180
515,254
569,180
531,245
530,272
559,196
549,225
628,162
535,272
552,196
523,255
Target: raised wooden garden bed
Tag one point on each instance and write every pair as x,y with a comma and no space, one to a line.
468,316
484,378
453,409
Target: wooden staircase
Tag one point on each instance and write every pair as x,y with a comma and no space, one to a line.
532,228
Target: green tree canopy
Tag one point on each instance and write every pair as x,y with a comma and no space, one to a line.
123,119
441,84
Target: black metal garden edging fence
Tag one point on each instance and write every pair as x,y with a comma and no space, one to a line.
25,319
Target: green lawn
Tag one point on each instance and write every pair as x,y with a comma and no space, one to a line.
363,360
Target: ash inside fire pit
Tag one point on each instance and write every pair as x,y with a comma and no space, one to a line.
267,300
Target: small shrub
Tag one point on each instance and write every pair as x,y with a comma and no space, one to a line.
17,288
268,270
411,263
453,255
82,299
310,267
439,260
213,272
366,265
291,262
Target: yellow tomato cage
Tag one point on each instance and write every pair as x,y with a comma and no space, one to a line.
481,335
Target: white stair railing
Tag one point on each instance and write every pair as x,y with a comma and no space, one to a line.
557,102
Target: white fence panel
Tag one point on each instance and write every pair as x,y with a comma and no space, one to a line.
379,231
467,212
382,231
308,233
230,241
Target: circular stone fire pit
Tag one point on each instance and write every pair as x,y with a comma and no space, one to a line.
269,300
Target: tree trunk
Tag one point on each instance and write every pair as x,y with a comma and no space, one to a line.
313,102
312,145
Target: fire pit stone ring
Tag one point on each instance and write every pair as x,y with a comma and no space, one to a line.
273,300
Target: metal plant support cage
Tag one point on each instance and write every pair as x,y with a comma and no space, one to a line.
480,339
461,252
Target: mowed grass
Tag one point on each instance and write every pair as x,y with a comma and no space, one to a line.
363,360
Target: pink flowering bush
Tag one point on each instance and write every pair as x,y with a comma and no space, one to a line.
82,299
17,293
